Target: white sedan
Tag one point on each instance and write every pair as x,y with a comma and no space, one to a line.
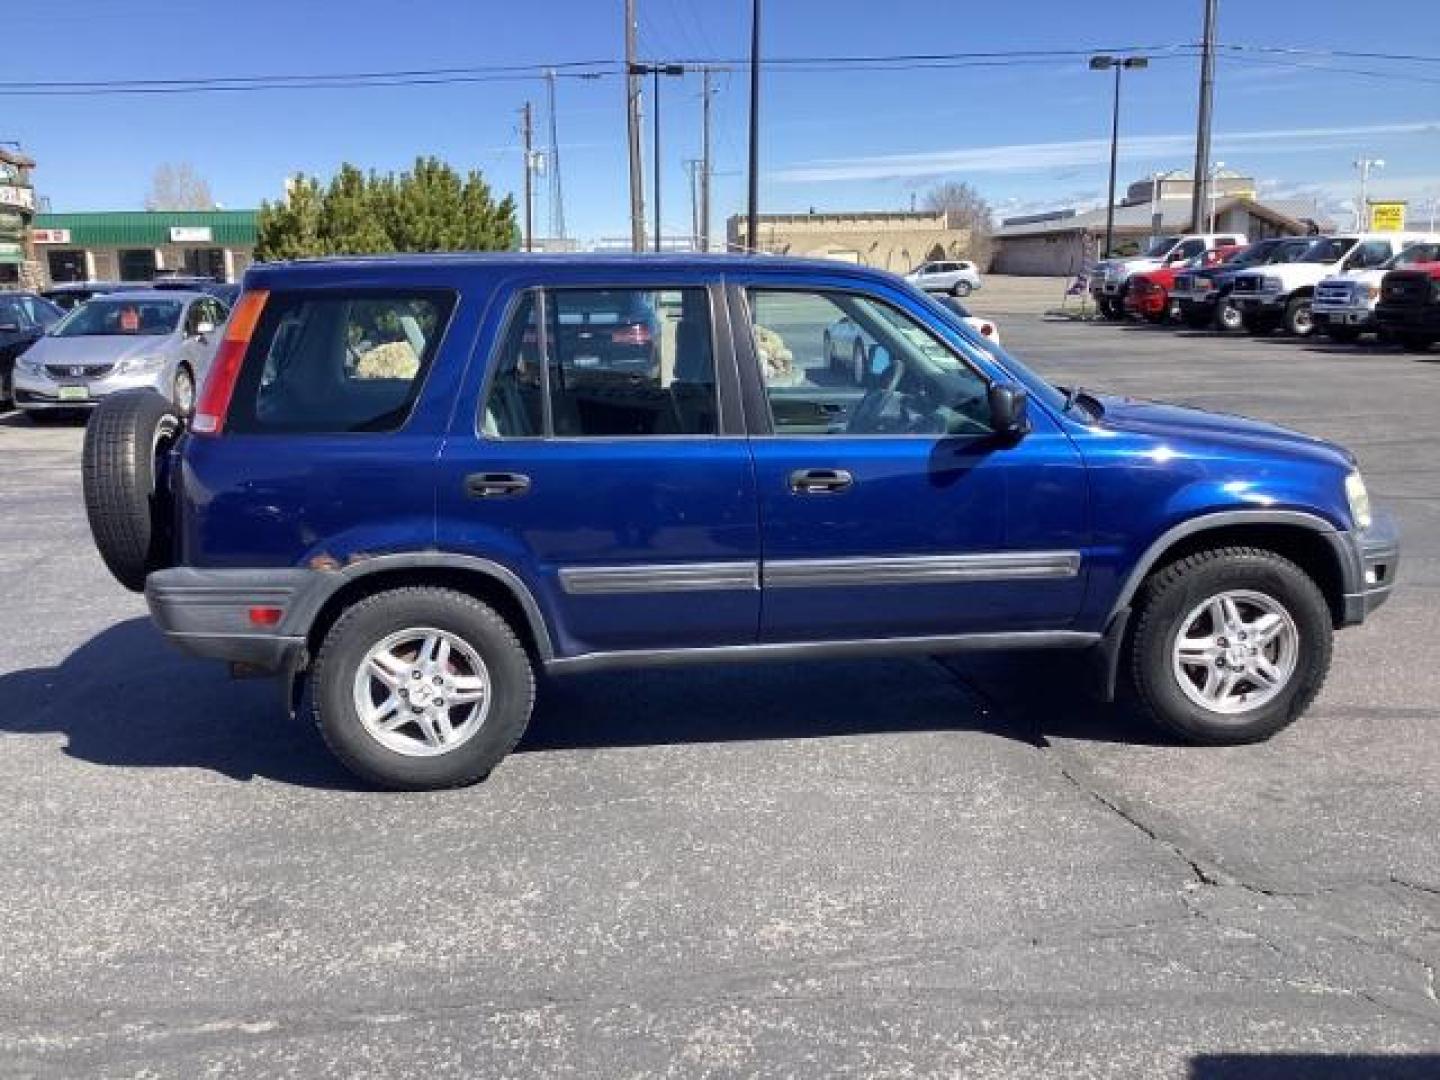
845,345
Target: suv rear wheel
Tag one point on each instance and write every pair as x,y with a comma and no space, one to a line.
1231,645
961,288
422,688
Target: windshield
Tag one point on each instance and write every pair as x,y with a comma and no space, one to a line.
1160,247
1416,253
127,318
1288,252
1327,250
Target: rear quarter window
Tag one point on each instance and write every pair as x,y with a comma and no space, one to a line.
325,362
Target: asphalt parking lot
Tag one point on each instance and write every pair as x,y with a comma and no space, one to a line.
885,868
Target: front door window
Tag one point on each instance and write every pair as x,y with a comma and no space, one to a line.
843,364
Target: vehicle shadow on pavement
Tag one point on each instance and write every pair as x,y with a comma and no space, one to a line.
128,700
1026,697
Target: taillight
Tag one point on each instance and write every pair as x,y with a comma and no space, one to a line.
635,334
225,368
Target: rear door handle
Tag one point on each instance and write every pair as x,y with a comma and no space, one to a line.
496,485
820,481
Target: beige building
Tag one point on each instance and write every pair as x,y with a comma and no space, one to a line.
897,240
1065,241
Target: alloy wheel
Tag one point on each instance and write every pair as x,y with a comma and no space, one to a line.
422,692
1235,652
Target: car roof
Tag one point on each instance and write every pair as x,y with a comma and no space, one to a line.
435,266
152,296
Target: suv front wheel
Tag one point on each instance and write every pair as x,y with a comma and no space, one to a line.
422,688
1231,645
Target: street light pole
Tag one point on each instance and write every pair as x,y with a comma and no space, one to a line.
1365,165
655,71
1104,63
752,216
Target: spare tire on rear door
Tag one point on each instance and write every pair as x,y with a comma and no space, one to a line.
126,441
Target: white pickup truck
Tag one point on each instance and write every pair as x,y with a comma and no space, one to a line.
1344,304
1283,295
1111,277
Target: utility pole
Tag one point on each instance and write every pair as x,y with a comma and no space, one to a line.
632,125
528,135
752,215
1199,189
706,167
695,168
557,193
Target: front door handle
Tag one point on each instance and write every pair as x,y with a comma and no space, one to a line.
820,481
496,485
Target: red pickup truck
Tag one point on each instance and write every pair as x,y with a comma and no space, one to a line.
1149,293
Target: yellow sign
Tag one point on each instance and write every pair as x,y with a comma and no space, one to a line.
1387,216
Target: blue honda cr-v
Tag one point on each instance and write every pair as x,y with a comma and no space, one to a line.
410,482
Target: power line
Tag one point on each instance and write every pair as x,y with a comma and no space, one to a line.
1392,76
1347,54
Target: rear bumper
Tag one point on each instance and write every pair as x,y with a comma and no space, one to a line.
1376,563
208,612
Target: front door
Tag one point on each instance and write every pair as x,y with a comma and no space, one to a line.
606,470
889,508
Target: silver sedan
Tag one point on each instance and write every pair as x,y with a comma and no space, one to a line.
122,341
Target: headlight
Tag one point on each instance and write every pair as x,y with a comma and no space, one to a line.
1371,292
28,364
133,364
1272,284
1359,500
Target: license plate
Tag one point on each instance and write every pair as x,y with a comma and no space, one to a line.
74,393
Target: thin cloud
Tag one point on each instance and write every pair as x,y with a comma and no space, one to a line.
1030,157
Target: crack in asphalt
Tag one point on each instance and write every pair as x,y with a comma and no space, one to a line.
1205,874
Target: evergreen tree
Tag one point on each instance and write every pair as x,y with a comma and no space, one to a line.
427,208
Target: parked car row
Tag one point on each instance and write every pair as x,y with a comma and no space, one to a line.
55,361
1341,286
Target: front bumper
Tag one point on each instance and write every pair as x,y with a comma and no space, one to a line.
39,390
1346,315
1422,317
1375,563
1259,303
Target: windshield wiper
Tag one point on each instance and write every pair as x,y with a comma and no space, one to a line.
1074,393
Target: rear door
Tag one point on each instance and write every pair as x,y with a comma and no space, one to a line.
606,465
891,509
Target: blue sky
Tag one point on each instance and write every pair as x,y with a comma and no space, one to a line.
1029,136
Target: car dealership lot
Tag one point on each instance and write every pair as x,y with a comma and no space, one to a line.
879,867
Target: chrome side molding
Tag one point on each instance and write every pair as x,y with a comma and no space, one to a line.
921,569
652,578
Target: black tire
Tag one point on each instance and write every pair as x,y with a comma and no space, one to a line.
1228,319
129,512
1113,310
1299,321
369,622
1173,592
962,289
1416,343
1342,335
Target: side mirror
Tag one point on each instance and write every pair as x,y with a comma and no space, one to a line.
1009,408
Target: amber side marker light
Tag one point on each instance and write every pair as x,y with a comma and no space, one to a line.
225,369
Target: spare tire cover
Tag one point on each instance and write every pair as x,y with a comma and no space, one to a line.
127,438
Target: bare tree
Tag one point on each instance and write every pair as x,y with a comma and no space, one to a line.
177,186
965,208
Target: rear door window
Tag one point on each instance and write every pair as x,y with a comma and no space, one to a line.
327,362
619,363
